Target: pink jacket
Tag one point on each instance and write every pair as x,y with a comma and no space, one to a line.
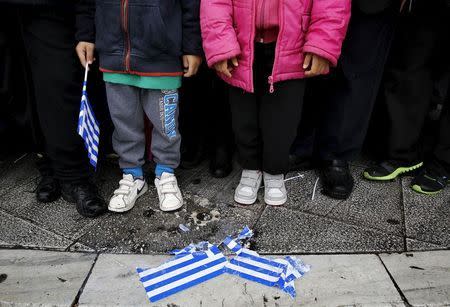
315,26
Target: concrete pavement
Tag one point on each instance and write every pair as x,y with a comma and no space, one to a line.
43,278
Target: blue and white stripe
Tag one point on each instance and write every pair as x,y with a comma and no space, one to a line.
88,127
250,265
188,268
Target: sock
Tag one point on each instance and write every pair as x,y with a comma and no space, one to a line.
161,168
136,172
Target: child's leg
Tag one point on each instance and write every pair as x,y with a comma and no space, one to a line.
279,118
161,108
128,118
128,142
244,113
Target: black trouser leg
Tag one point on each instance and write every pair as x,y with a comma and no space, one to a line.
279,116
345,99
245,122
49,39
408,86
265,124
442,149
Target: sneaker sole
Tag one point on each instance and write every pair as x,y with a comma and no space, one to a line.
275,202
245,201
171,209
418,189
131,205
394,174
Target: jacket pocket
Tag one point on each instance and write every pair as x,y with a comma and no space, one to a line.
108,24
148,32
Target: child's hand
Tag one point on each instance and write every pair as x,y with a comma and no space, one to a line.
191,64
226,66
315,65
85,52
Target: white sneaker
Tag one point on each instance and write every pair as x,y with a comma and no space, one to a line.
169,193
274,190
130,189
247,191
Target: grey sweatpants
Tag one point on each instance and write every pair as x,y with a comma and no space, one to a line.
127,105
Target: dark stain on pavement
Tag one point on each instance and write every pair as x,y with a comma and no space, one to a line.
416,268
393,222
276,297
3,277
148,213
62,279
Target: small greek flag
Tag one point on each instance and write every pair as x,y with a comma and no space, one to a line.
191,266
250,265
88,127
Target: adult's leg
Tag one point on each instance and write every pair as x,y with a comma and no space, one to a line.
346,97
408,86
48,35
442,149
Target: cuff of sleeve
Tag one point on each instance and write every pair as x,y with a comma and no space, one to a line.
321,52
223,56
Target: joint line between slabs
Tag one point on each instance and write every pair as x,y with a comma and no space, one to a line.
77,297
400,292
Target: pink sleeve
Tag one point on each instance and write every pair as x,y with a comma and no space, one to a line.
219,38
328,27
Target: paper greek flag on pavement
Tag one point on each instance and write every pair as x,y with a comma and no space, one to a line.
189,267
250,265
88,127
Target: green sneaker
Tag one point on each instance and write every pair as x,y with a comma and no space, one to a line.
429,182
389,170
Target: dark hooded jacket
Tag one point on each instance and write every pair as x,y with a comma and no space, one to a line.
143,37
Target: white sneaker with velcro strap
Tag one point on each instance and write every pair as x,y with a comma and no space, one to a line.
130,189
169,193
247,191
274,190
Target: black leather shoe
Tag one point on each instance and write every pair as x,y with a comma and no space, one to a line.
85,195
336,179
220,165
48,190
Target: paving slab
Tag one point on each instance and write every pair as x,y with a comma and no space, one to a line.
423,277
59,216
301,192
281,230
20,233
16,174
41,278
333,280
146,229
372,204
427,217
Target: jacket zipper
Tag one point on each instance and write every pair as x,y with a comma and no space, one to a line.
127,36
281,28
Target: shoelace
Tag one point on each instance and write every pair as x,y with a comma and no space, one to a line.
168,185
125,186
